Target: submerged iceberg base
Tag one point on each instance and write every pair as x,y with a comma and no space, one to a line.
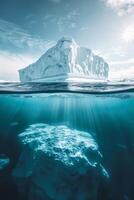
58,163
4,162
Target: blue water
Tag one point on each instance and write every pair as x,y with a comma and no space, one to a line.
104,110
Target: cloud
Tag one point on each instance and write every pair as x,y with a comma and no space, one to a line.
84,28
69,21
122,69
55,1
122,7
10,63
12,35
63,23
128,34
123,63
122,73
18,49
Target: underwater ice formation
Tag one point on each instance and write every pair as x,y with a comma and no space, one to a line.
58,163
4,161
66,61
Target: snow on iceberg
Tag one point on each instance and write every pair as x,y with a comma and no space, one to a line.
58,163
66,61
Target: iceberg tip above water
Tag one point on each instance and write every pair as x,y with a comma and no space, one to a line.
64,62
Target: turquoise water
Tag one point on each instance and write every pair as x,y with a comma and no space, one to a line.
109,118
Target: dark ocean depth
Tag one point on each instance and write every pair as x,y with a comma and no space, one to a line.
100,167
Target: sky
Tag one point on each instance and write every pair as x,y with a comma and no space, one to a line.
29,27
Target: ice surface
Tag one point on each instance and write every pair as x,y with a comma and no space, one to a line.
58,163
66,61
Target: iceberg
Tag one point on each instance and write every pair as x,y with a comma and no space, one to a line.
58,163
66,61
4,162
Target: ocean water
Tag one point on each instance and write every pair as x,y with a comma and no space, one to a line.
105,111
